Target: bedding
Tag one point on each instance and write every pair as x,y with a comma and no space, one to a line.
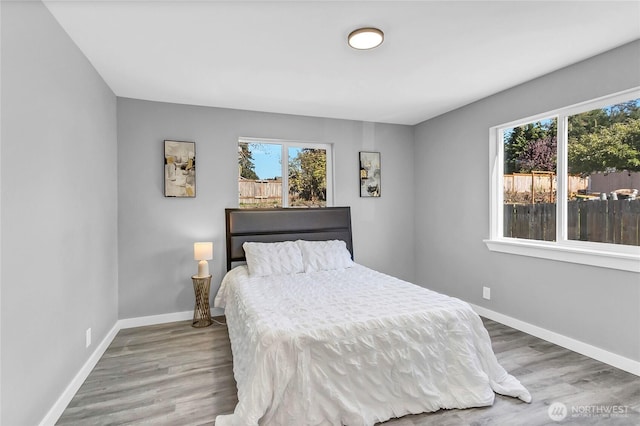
353,346
324,255
273,258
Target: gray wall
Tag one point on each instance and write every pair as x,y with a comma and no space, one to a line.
594,305
59,207
156,234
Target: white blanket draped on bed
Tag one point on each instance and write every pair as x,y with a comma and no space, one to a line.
353,347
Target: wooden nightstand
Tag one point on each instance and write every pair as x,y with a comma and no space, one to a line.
201,311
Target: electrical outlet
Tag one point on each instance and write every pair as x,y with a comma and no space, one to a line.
486,293
88,337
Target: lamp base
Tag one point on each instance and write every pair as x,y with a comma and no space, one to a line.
203,268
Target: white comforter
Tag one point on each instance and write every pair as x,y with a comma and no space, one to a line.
353,347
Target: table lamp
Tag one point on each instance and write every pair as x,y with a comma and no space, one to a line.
203,252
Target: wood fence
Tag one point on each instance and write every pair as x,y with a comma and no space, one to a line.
259,191
604,221
268,193
541,186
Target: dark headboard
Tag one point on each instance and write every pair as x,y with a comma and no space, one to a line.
275,225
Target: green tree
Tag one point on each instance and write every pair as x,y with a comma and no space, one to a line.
622,112
308,175
245,162
587,122
605,139
616,147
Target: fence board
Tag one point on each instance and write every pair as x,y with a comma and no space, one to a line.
507,219
521,225
573,221
535,223
630,222
549,215
598,222
615,222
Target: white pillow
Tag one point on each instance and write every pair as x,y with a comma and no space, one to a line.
273,258
325,255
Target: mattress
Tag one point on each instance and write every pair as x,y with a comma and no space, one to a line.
353,347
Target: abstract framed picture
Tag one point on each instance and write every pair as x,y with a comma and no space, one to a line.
370,181
179,169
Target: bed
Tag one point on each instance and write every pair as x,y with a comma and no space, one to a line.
318,339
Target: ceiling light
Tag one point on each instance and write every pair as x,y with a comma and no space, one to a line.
366,38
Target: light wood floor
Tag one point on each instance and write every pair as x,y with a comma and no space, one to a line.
173,374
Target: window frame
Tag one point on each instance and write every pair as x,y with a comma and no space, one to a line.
286,144
605,255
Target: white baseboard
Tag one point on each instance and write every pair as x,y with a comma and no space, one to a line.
58,408
162,319
586,349
154,319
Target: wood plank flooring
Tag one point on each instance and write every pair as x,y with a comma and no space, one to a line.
174,374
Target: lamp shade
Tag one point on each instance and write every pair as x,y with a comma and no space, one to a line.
203,251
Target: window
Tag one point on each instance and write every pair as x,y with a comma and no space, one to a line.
564,185
529,183
275,173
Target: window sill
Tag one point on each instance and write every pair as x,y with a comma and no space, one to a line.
627,261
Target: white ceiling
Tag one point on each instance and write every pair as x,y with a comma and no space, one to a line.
292,56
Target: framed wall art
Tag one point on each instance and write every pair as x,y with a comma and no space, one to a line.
179,169
370,174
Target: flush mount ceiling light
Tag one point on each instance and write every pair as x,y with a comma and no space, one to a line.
366,38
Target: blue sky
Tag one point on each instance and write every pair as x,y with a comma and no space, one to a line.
267,159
